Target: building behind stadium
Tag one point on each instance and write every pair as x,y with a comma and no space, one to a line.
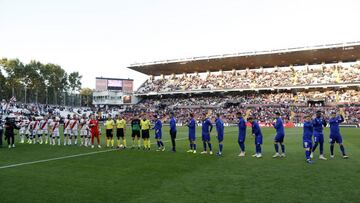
113,92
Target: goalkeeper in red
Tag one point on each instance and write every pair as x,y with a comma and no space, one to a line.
94,129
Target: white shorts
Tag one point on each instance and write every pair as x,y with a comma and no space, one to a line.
55,134
83,132
75,132
40,132
22,131
67,131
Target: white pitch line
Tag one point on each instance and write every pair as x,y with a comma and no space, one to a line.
65,157
73,156
54,159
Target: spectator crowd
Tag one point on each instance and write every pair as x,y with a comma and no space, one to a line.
254,78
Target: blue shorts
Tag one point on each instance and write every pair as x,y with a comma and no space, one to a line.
258,140
319,138
279,138
220,138
307,144
335,138
192,137
158,136
241,138
205,138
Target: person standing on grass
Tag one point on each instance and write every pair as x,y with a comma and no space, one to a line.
192,133
120,130
173,131
1,131
279,137
158,133
67,130
83,131
205,133
242,133
145,131
109,126
319,123
335,135
135,131
220,132
74,128
10,126
54,131
256,132
307,138
94,130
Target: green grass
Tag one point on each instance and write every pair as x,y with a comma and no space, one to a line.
150,176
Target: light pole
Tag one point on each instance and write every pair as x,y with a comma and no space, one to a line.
25,94
46,95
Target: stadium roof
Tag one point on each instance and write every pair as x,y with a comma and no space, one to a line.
330,53
114,78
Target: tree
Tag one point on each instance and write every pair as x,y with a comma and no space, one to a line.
86,96
74,84
13,69
57,81
32,81
37,82
3,88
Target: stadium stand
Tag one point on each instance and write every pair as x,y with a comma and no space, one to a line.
294,82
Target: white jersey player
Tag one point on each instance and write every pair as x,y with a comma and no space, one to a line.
33,127
44,128
54,129
23,128
67,130
74,124
84,131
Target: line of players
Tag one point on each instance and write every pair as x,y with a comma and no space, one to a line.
312,128
88,129
46,130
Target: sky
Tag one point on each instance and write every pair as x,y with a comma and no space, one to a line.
103,37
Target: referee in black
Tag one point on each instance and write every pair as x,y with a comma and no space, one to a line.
173,131
1,131
10,126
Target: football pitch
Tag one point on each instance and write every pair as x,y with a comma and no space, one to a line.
43,173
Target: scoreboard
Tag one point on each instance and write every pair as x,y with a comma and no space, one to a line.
115,84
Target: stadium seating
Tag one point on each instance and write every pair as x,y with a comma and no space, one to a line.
255,78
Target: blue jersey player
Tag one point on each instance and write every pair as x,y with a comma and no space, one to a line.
192,133
206,129
318,123
279,137
158,133
307,138
256,131
242,133
220,132
335,135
